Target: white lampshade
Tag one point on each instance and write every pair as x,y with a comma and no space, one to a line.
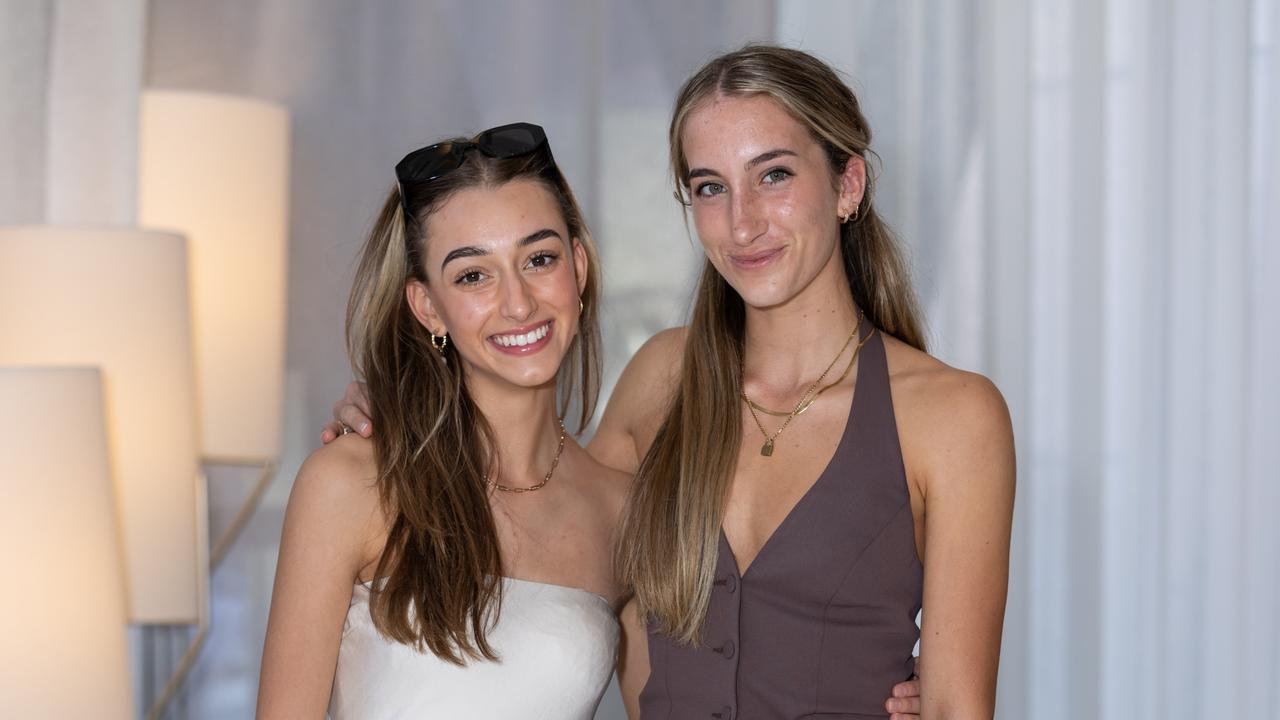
62,612
117,299
215,168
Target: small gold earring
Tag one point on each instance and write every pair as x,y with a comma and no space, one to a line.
581,307
444,342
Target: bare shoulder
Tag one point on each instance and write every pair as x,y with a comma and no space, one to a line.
336,488
652,375
639,401
927,389
945,415
658,360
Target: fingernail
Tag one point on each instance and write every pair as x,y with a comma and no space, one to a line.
364,427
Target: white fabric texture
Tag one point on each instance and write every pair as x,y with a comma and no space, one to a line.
556,647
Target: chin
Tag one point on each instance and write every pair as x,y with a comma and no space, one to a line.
763,293
532,380
526,372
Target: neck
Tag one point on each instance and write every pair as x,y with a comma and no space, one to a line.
788,346
525,429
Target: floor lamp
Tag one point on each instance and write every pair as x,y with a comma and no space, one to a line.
215,168
64,653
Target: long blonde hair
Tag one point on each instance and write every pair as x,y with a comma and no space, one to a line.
441,567
671,531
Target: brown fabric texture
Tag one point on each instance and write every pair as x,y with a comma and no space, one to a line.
822,624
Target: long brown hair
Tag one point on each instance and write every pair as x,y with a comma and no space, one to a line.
438,584
672,527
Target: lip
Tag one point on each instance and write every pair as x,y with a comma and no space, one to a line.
529,349
757,260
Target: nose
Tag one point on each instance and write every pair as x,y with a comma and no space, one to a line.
518,303
746,216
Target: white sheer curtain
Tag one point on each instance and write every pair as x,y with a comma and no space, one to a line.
1091,192
70,73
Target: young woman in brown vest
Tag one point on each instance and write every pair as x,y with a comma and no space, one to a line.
807,476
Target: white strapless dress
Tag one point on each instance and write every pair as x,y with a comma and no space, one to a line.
556,645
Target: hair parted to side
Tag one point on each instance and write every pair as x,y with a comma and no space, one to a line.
671,530
439,585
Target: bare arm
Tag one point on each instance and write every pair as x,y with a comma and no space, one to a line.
636,409
322,550
633,659
968,489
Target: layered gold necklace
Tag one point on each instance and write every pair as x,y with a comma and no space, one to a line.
810,395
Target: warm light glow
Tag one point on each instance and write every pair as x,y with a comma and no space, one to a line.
117,299
62,612
215,168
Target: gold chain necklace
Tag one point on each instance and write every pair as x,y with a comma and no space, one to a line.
554,462
767,449
852,359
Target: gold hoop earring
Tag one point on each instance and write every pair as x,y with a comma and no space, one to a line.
581,307
440,346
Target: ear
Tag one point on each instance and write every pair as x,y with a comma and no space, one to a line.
423,308
853,182
580,264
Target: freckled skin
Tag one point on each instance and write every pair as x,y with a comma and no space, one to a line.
510,287
746,211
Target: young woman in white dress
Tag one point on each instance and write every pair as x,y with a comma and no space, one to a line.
457,563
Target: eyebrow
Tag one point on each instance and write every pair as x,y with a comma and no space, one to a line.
757,160
473,251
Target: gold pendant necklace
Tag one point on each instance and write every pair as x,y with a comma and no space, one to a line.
767,449
554,462
847,368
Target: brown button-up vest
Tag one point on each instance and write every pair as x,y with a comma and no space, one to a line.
822,624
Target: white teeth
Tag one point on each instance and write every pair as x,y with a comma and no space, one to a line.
528,338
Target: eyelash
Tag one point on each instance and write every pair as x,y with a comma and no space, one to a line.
549,256
701,188
462,277
477,275
786,173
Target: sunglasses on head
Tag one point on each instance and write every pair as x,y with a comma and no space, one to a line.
435,161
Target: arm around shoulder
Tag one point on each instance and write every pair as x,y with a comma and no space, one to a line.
633,658
969,491
332,513
639,402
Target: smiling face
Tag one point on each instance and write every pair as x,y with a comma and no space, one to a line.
765,201
503,280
